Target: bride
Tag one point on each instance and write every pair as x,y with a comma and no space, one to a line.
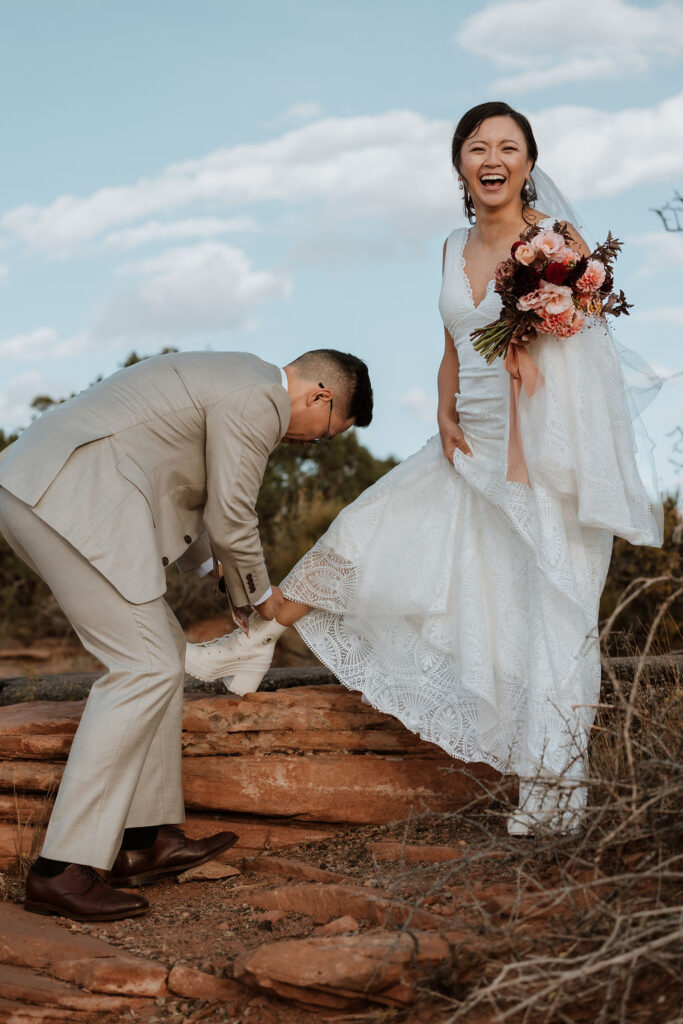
460,601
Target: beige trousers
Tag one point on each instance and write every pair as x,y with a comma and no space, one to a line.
124,769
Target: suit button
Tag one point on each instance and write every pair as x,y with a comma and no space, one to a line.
188,539
164,561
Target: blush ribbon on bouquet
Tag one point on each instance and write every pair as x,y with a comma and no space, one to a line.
523,372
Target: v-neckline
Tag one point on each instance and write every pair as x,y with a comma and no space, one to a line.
468,283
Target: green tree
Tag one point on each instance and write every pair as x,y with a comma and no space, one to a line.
305,488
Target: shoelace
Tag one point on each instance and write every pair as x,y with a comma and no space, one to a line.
90,873
211,644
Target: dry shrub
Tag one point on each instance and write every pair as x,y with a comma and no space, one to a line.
586,926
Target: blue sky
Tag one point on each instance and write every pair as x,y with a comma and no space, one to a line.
275,176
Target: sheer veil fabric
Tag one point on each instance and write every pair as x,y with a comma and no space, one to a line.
464,604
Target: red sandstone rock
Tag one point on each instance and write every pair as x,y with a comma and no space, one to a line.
323,902
15,1012
27,940
345,971
194,984
287,740
390,771
213,870
16,842
291,868
30,809
32,776
41,717
302,707
388,849
328,787
25,985
340,926
255,836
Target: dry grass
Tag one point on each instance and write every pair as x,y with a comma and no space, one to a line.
586,926
29,834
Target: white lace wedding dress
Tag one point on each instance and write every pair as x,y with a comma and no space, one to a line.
464,604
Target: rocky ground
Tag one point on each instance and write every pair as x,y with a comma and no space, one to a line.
283,938
302,914
373,880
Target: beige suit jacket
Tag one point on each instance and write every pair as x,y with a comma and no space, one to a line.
135,471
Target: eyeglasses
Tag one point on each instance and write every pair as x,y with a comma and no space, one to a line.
324,438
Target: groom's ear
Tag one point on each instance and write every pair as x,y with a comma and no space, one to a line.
318,393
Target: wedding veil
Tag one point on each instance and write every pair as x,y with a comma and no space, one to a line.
641,383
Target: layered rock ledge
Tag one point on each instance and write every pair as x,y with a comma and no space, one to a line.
313,754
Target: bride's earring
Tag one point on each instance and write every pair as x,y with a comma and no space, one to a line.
529,194
460,184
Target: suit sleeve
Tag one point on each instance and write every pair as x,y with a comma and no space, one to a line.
194,556
241,431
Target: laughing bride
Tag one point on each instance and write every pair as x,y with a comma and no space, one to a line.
456,597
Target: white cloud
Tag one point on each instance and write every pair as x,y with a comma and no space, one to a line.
420,404
543,43
602,153
208,287
304,111
41,343
192,227
16,397
357,164
668,316
394,166
663,252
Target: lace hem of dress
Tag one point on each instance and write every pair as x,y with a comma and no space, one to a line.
408,666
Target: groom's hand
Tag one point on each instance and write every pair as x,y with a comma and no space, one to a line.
270,608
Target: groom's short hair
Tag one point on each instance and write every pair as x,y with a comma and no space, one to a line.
347,377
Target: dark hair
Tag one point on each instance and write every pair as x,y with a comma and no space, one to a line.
469,123
352,382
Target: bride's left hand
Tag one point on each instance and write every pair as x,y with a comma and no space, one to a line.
452,437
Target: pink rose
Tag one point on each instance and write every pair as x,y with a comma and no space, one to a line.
557,298
525,254
592,277
566,256
532,300
548,243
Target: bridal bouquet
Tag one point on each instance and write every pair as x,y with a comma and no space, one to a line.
547,286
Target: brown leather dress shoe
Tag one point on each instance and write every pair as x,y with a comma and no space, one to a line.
80,893
170,854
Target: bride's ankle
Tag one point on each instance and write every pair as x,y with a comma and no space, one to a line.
291,613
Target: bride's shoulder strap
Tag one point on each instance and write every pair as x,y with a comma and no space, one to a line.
451,242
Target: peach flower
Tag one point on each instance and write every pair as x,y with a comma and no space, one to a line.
592,278
525,254
549,243
563,325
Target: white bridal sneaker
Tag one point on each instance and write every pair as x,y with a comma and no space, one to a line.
552,804
245,659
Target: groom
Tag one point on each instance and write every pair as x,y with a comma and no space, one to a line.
161,462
